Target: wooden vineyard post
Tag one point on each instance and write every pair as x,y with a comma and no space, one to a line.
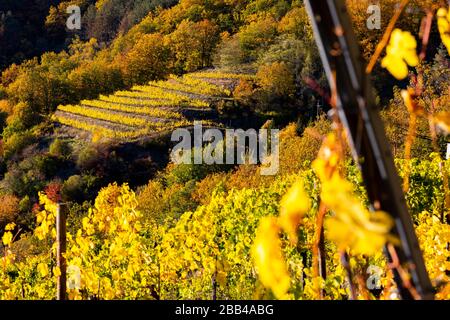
359,114
61,250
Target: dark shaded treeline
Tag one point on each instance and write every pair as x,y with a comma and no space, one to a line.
22,30
29,28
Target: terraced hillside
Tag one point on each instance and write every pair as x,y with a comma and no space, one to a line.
149,110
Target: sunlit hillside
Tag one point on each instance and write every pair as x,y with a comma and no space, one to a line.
93,205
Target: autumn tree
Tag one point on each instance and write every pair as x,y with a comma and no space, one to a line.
276,78
296,22
229,53
257,35
208,37
43,85
99,76
193,44
148,59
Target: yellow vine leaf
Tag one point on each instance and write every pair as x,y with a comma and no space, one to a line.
294,205
46,218
7,238
42,269
268,258
442,120
353,226
400,53
56,271
327,160
10,226
443,20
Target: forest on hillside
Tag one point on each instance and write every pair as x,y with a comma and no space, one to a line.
86,118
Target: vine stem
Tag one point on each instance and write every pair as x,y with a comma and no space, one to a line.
426,27
318,250
387,34
362,287
408,146
345,263
404,275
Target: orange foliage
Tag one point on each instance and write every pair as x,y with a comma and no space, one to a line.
147,60
243,90
193,44
53,191
295,21
276,78
9,209
5,107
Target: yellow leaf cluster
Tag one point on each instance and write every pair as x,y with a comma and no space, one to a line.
400,53
353,226
434,236
46,218
443,19
327,161
266,250
268,258
294,205
42,268
115,268
7,238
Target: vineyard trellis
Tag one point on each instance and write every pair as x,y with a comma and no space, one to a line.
359,114
151,108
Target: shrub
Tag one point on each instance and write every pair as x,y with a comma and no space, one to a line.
204,188
53,191
79,188
257,36
153,201
3,94
24,178
23,116
276,78
296,22
26,217
183,173
299,55
73,189
229,53
46,164
9,209
160,204
88,158
16,143
244,91
75,215
182,201
276,8
5,107
5,110
60,148
396,120
246,176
